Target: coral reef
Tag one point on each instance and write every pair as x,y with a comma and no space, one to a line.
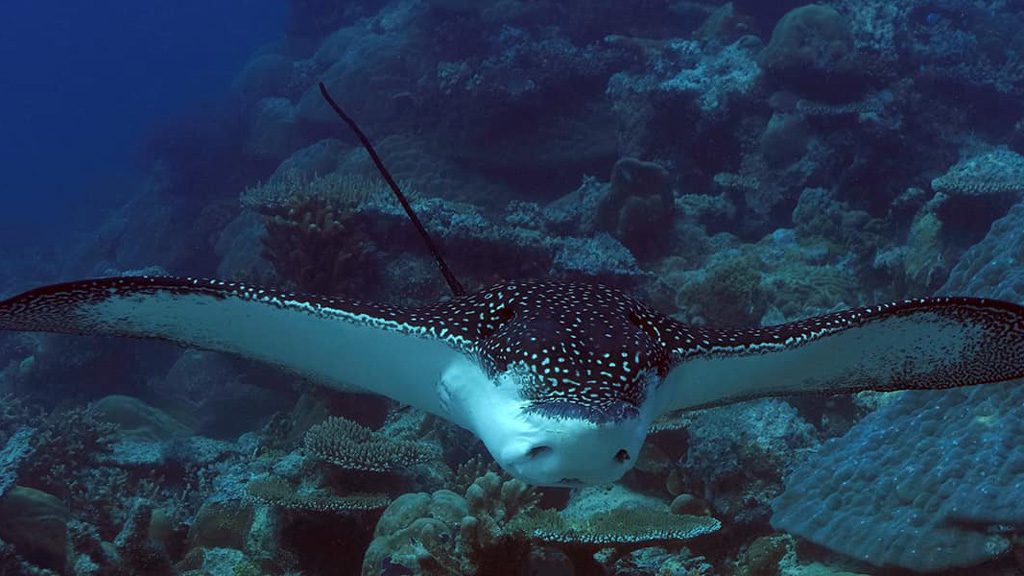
639,207
318,248
914,484
17,448
62,447
292,187
998,171
738,456
707,86
810,45
732,163
277,492
490,530
921,482
351,446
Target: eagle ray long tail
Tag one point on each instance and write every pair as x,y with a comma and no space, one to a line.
449,277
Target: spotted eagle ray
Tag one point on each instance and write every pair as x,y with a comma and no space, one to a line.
561,381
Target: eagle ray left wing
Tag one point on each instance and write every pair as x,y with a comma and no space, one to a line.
930,343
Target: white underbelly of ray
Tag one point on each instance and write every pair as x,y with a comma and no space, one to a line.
329,348
899,348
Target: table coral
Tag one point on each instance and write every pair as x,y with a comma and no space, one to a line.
277,492
289,188
997,171
624,529
355,447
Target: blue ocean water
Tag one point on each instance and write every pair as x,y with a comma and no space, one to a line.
84,86
702,292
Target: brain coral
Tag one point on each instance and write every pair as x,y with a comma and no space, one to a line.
924,482
916,483
991,268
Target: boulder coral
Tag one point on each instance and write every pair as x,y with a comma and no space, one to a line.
35,522
639,207
918,484
926,481
812,52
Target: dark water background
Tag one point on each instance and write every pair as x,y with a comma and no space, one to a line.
85,85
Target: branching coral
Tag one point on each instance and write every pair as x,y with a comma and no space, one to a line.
447,534
17,448
313,239
684,83
136,551
15,414
760,187
924,262
317,246
500,498
494,527
285,190
354,447
468,472
65,444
